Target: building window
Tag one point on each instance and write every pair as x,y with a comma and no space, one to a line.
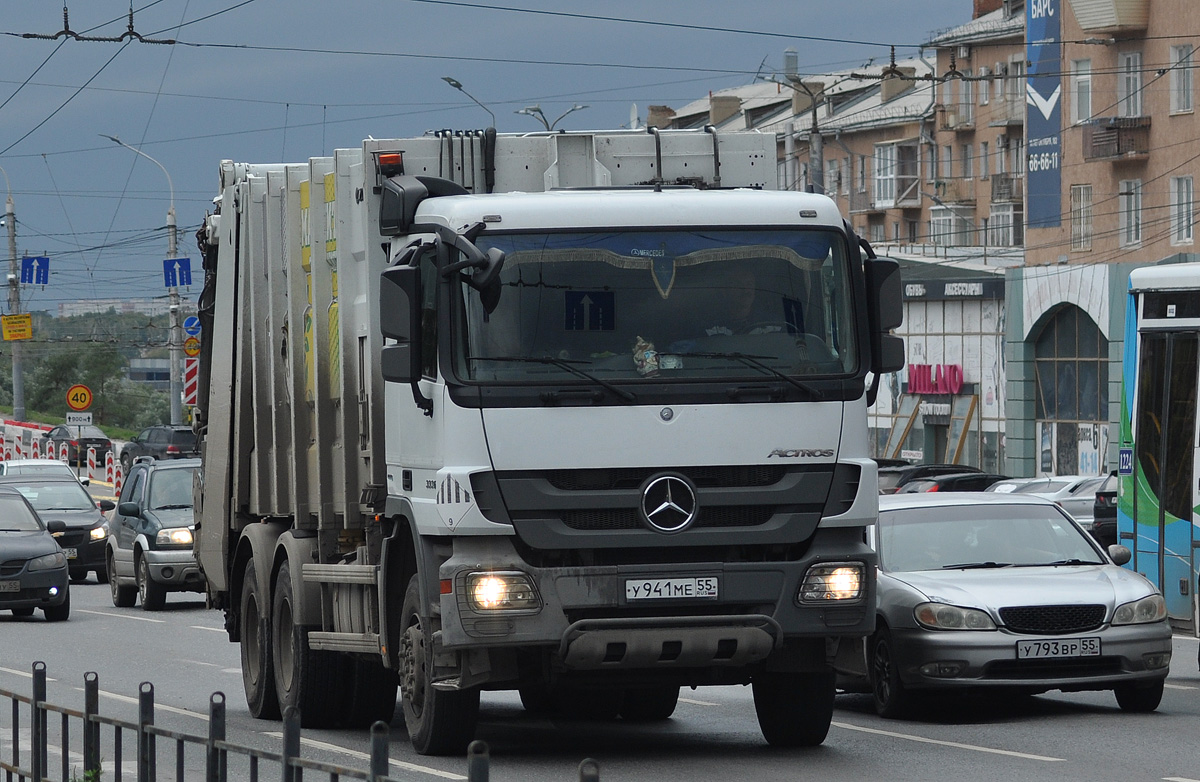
1015,83
846,178
1081,217
877,233
967,167
947,162
949,228
1017,149
913,231
1129,84
1181,78
932,158
1001,154
1005,227
1071,377
1182,209
833,177
1081,91
966,99
885,175
1129,197
983,160
985,86
862,174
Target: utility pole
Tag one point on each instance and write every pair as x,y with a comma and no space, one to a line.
14,308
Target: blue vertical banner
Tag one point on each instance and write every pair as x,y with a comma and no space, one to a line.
1043,115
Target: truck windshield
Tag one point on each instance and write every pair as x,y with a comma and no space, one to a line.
689,305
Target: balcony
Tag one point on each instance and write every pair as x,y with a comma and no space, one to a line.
1005,113
1111,16
1116,138
956,191
1008,187
958,119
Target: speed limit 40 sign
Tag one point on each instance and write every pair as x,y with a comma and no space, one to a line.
79,397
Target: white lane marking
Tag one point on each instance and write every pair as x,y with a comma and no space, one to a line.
955,744
157,706
437,772
1178,687
210,629
1179,779
231,670
697,703
26,674
200,662
121,616
1186,637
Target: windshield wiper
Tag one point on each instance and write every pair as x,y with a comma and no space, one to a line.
1071,561
756,363
171,507
566,365
977,565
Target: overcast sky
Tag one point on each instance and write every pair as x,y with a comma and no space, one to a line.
274,80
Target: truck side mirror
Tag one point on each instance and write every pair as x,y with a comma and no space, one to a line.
886,312
400,319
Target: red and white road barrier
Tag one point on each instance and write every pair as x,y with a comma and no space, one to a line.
108,467
91,461
35,448
118,481
64,453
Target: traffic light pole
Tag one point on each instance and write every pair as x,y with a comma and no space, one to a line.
176,338
14,308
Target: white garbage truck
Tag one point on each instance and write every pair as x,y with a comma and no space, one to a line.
578,415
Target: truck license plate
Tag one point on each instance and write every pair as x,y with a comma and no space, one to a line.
666,588
1059,647
71,553
10,586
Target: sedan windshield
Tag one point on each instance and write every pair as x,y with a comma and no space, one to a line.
15,516
662,306
986,535
60,495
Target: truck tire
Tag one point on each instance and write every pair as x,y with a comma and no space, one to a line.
153,594
258,671
794,709
439,722
650,704
312,681
537,698
373,695
588,703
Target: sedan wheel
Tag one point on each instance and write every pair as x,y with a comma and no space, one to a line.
1139,699
892,698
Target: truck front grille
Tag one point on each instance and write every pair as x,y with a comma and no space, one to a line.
622,519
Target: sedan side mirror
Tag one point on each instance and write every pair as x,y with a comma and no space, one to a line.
107,505
1119,554
56,527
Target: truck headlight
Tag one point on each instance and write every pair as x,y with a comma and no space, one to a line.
1148,609
940,616
176,536
833,581
502,591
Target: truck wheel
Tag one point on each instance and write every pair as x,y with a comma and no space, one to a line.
650,704
312,681
152,594
122,596
537,698
794,709
588,703
258,672
439,722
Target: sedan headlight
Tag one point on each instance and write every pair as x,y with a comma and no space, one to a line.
833,581
48,562
99,533
939,616
501,591
1148,609
176,536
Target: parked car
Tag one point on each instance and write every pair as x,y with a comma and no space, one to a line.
1009,485
33,568
955,481
78,440
1104,511
160,442
1004,592
62,498
892,478
40,467
150,545
1076,494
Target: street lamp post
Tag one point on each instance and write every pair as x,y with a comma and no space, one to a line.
175,340
14,303
456,84
535,111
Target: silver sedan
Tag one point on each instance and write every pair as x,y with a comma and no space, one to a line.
1004,591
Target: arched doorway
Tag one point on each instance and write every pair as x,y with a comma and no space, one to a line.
1071,377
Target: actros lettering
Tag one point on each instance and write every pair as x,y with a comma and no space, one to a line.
801,453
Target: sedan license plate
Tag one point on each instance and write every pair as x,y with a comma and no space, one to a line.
1059,647
10,586
667,588
71,553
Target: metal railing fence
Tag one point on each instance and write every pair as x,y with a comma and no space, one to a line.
77,738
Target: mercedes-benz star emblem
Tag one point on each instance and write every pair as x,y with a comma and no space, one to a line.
669,503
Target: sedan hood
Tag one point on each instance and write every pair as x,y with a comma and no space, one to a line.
74,519
999,587
26,545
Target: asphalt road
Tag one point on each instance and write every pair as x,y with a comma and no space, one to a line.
713,735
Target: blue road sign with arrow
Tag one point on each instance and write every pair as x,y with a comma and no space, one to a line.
177,271
35,270
191,325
